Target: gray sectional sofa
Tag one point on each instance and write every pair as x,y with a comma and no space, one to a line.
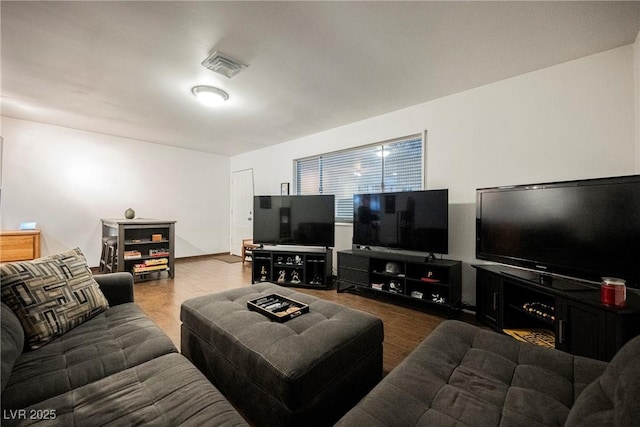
463,375
118,368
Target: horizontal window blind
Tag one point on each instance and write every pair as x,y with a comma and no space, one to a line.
390,166
403,166
308,176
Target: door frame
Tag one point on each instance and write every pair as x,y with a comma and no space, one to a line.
236,235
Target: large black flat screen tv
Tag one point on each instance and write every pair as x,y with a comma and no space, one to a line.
411,220
294,220
585,229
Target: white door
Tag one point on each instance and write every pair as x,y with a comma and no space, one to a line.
241,209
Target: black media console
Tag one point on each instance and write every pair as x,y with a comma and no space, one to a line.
510,298
410,278
305,267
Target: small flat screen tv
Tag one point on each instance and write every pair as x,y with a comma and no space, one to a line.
294,220
586,229
411,220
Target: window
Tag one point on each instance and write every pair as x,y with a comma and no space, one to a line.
387,166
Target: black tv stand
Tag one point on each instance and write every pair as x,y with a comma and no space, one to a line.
412,279
580,324
303,267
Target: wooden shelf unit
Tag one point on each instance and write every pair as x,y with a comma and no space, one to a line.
136,235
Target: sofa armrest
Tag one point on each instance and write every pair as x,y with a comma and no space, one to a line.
116,287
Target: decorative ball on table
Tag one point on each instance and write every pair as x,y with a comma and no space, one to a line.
129,213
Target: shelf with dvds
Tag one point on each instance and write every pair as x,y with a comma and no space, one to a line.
145,247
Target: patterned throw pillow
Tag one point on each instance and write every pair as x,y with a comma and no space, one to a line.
51,295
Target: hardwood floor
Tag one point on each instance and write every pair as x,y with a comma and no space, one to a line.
404,328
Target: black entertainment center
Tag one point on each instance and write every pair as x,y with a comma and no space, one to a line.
395,236
295,235
576,318
554,243
307,267
410,278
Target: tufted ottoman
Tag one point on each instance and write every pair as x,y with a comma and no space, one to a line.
309,370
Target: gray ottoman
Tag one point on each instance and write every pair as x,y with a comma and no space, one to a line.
309,370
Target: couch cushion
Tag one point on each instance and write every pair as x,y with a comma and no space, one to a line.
613,398
51,295
115,340
464,375
166,391
12,343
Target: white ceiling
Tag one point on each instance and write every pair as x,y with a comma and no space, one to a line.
126,68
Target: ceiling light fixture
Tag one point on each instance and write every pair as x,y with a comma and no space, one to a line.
209,95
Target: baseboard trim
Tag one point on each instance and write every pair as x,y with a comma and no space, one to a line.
201,257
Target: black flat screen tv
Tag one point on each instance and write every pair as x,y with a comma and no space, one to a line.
586,229
294,220
411,220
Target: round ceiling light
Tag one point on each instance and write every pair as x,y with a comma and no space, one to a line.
209,95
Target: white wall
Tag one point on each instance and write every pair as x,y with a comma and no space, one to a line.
571,121
66,180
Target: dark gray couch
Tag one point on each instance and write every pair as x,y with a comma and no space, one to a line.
462,375
118,368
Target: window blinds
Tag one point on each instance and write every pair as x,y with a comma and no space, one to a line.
390,166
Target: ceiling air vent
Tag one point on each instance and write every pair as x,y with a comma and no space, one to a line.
223,64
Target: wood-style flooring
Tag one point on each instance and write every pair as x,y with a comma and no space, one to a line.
404,328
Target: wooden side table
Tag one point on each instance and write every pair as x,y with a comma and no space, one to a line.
19,245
